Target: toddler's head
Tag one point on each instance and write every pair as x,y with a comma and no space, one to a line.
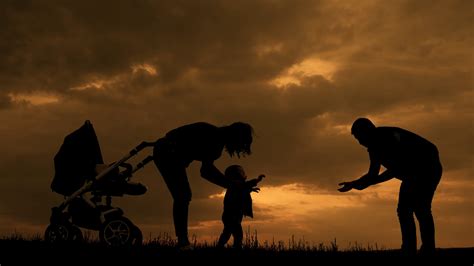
236,173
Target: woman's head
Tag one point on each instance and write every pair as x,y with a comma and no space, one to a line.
238,139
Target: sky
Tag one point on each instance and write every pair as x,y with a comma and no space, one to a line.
300,72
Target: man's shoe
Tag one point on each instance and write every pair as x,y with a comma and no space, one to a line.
185,247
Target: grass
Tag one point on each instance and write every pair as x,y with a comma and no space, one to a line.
18,248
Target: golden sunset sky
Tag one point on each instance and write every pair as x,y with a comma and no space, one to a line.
300,72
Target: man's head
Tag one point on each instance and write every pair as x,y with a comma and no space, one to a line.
362,129
236,173
238,139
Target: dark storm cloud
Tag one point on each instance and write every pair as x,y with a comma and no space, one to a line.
5,101
56,45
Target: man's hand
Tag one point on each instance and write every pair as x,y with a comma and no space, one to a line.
346,186
260,177
356,184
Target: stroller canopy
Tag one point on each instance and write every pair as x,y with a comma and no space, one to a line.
75,161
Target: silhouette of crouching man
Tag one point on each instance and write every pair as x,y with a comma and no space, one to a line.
412,159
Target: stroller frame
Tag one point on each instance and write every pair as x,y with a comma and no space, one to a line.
114,228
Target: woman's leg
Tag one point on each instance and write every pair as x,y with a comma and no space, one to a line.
176,180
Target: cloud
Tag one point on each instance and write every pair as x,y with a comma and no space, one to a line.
5,101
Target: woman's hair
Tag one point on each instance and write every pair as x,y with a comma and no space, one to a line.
239,138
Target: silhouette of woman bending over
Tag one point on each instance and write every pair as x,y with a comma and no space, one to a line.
196,142
412,159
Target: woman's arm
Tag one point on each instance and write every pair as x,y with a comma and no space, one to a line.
210,172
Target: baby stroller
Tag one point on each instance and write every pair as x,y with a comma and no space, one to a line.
88,186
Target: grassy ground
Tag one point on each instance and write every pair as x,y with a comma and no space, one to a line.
15,250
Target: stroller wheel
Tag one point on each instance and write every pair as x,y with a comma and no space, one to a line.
119,232
76,234
56,233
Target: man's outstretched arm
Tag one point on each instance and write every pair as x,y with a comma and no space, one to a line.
210,172
385,176
372,177
366,181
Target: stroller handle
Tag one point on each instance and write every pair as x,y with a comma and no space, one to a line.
141,146
89,184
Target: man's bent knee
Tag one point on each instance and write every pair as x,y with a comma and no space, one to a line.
423,213
404,211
